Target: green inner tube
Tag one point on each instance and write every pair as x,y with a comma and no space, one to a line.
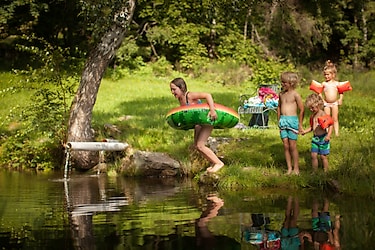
186,117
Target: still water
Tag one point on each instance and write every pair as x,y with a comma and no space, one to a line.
46,211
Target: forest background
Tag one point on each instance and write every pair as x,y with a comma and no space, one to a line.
226,47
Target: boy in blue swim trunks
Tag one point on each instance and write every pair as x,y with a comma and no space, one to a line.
290,112
321,125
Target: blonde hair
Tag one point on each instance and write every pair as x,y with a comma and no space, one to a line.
314,100
330,67
290,77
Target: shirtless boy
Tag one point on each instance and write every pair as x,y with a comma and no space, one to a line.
290,112
320,125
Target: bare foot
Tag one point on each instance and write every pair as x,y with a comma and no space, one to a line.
296,172
215,168
289,172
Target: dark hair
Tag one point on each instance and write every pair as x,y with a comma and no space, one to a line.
320,236
179,82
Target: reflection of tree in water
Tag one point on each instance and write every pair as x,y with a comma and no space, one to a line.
82,232
86,196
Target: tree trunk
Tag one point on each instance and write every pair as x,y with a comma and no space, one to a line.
246,25
365,33
79,129
356,46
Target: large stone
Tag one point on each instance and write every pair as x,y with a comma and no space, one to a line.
155,164
215,142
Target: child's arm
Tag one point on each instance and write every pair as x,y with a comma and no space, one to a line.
279,108
301,108
336,236
210,101
305,131
339,101
212,114
321,94
329,132
302,236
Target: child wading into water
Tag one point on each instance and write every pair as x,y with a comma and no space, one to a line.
201,132
331,103
290,114
321,125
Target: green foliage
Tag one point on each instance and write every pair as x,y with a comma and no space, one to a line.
128,55
191,33
268,72
193,53
161,67
98,15
226,73
42,120
244,52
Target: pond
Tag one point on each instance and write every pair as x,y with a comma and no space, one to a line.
46,211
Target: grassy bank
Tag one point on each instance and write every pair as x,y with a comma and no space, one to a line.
137,105
254,158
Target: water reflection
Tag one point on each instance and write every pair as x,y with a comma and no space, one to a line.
324,233
260,235
290,237
85,197
101,212
205,238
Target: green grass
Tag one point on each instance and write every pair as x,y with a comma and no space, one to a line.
137,105
254,158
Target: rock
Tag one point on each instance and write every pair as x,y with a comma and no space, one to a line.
112,128
214,142
99,168
334,186
209,178
151,164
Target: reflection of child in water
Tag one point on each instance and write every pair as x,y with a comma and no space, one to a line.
290,232
324,236
204,236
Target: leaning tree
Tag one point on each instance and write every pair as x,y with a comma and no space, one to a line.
80,118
